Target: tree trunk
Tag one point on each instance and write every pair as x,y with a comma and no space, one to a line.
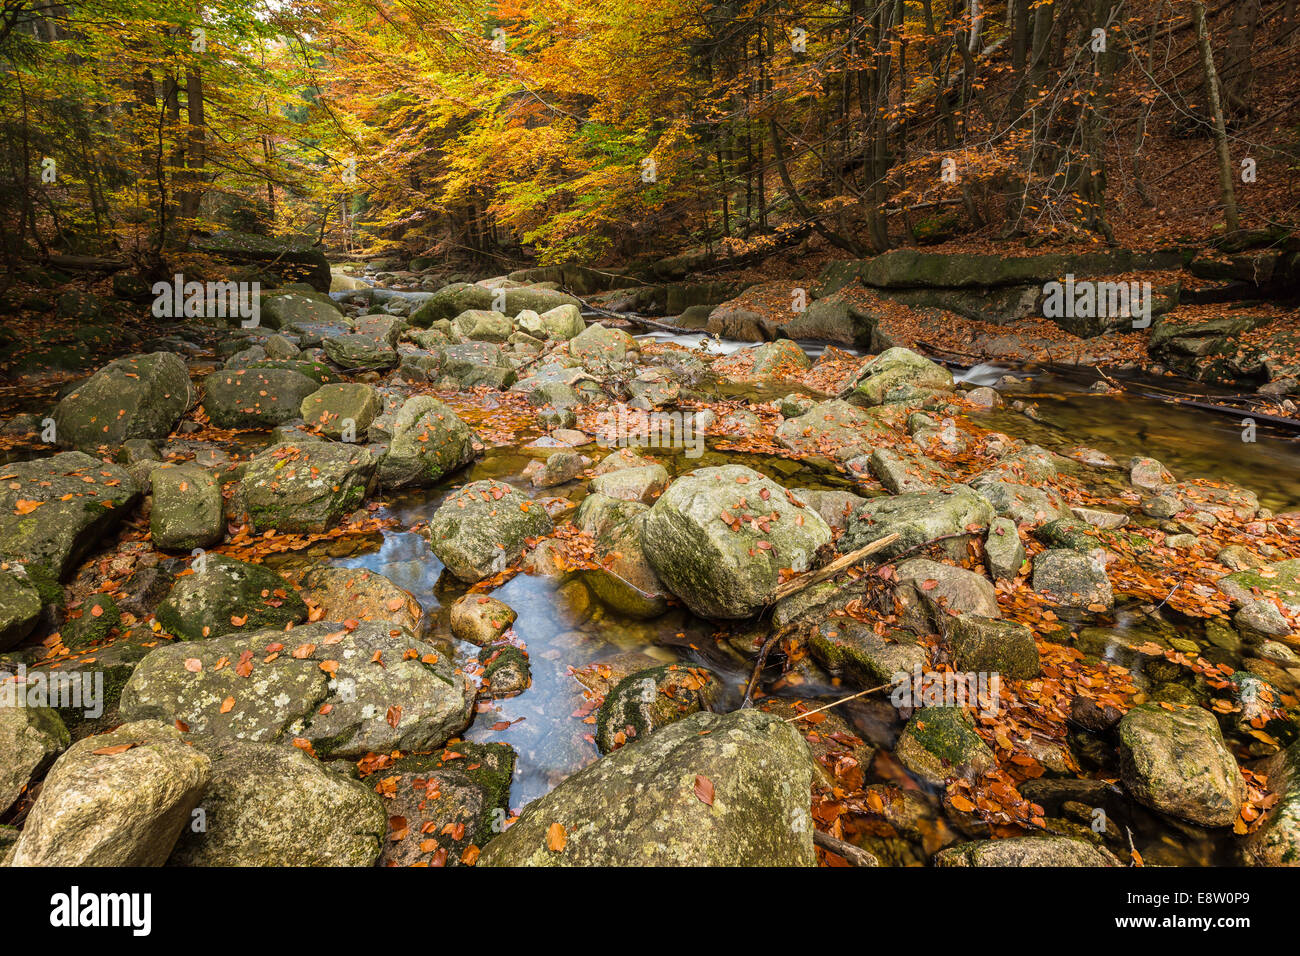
1229,199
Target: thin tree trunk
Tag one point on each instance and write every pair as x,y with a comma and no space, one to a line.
1216,109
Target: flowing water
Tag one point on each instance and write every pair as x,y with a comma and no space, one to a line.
565,628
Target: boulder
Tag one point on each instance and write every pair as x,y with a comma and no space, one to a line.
643,484
600,345
1175,761
482,527
359,594
893,370
708,790
651,699
53,509
1026,851
451,301
450,803
985,645
833,429
20,608
304,487
220,591
343,411
936,591
850,648
429,441
940,742
719,537
141,396
481,619
1276,842
346,692
918,517
188,509
483,325
117,799
624,579
255,397
272,805
30,739
1073,579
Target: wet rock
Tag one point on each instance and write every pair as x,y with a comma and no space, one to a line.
1237,558
482,528
117,799
848,647
345,692
450,803
255,397
902,473
272,805
984,645
429,441
477,363
93,622
1148,474
625,581
302,488
70,501
1067,533
343,411
1106,520
940,742
20,608
984,397
835,507
1026,851
640,805
643,484
933,590
559,468
717,571
652,699
600,345
359,594
1280,580
1277,840
1021,503
482,325
30,739
623,458
835,429
1004,553
1175,761
221,590
598,514
141,396
918,517
893,371
506,671
1093,717
480,619
1262,617
1073,579
188,509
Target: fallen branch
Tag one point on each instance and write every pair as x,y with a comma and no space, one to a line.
836,703
854,854
795,585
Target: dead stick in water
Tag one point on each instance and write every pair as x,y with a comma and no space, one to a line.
836,703
854,854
